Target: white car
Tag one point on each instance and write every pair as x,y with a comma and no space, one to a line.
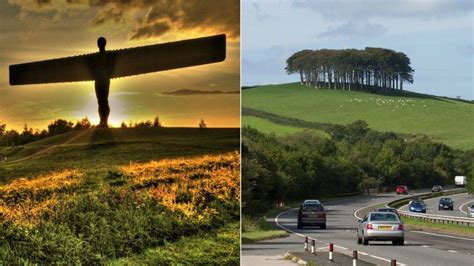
470,211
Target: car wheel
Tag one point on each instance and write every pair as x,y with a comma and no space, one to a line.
359,240
323,226
299,225
401,242
439,209
365,241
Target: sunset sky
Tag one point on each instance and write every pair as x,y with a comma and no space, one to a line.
42,29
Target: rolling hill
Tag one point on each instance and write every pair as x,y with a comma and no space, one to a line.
444,120
99,150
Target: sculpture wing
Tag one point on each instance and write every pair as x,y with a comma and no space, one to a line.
166,56
50,71
121,63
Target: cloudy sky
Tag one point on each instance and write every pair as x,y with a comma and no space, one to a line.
33,30
437,35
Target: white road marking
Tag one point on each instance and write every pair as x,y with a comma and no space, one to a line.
434,234
358,210
311,238
384,259
452,251
284,228
425,246
465,203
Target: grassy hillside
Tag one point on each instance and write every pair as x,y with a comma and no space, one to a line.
122,197
99,150
448,121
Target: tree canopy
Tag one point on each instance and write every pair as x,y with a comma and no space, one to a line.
371,68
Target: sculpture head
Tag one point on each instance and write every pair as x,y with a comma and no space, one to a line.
101,42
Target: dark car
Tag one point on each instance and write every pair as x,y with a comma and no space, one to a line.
401,190
446,204
437,188
392,210
417,206
311,214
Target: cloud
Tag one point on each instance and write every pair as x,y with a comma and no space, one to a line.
156,29
185,92
160,17
466,50
422,9
108,14
208,17
354,29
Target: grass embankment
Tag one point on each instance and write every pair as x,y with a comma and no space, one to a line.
139,210
258,229
416,224
405,112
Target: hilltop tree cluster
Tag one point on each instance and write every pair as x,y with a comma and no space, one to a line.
348,69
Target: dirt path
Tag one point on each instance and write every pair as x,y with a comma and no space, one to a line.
48,149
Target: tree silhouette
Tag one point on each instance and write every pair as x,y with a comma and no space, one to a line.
202,124
157,122
59,126
83,124
3,128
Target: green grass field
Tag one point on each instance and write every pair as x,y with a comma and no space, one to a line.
122,197
444,120
99,150
266,126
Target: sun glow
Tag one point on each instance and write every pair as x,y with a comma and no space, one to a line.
117,113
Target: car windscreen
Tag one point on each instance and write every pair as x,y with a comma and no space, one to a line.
386,210
383,217
446,200
417,203
312,208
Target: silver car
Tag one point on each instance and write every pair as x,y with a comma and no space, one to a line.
470,211
381,226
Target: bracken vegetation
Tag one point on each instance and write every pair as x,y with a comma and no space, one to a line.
61,219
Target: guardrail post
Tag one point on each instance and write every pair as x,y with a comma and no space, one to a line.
331,249
306,243
313,247
393,263
354,258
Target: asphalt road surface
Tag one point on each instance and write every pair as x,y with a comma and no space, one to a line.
460,200
421,248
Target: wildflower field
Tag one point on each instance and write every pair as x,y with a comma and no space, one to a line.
181,210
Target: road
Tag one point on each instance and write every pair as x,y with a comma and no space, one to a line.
460,200
420,248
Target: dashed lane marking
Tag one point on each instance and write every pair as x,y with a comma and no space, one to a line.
336,246
462,206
